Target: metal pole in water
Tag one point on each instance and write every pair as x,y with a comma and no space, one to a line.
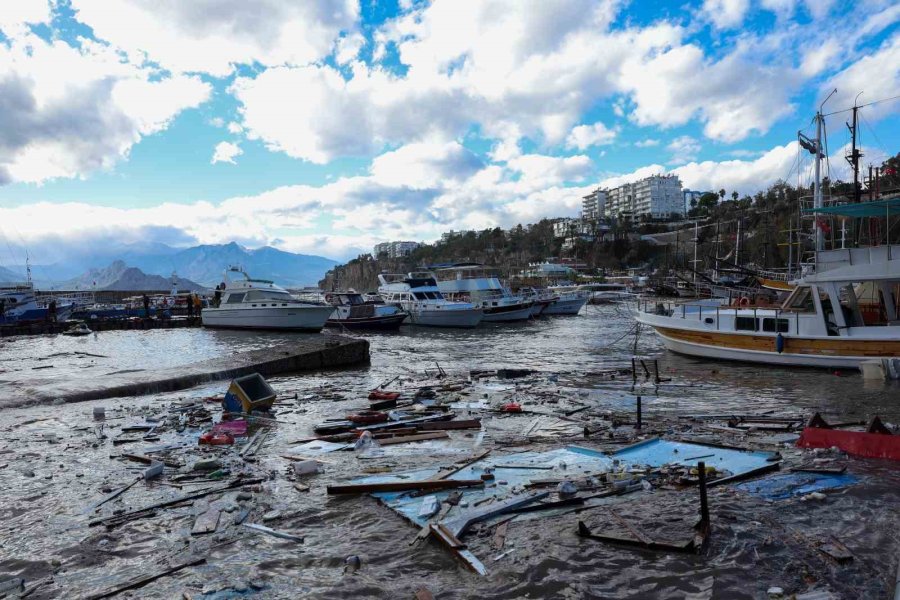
704,507
637,425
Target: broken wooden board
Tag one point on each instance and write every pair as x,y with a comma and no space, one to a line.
421,437
206,522
401,486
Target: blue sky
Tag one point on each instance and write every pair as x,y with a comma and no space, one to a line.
325,127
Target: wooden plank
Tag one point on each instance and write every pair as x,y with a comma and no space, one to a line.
400,486
111,496
435,435
459,468
148,460
500,535
448,425
139,583
206,522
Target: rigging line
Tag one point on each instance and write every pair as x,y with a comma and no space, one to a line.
843,110
874,135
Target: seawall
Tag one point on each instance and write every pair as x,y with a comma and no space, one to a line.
312,354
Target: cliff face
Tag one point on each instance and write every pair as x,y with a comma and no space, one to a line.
360,274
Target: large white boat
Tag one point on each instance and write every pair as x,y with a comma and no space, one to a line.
247,303
419,296
844,314
479,285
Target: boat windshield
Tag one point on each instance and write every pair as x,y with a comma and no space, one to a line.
428,295
801,300
267,294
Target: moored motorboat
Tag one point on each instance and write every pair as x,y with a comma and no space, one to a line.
475,283
352,311
419,296
78,329
247,303
569,301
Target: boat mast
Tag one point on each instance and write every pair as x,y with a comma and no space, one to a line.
817,190
855,154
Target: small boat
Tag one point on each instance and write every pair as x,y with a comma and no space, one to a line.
541,299
352,311
78,329
478,284
424,303
248,303
569,301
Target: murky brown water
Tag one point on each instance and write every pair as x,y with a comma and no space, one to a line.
46,484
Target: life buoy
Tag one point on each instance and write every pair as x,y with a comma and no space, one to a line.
367,417
744,301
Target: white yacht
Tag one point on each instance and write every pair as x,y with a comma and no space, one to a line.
478,284
352,311
419,296
569,300
247,303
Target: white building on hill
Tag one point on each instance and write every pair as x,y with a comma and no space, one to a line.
395,249
654,197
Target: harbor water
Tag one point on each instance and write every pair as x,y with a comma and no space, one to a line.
54,463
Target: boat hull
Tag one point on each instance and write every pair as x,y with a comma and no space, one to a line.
565,306
538,308
287,318
384,323
506,314
446,318
833,352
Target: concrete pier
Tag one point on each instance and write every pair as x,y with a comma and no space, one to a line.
134,323
312,353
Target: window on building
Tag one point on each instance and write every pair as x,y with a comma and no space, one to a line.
746,324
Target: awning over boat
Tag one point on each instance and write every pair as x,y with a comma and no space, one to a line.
876,208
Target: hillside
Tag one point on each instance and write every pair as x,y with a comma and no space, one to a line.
120,277
510,250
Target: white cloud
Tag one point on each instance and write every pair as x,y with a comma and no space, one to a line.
684,149
647,143
585,136
348,47
234,128
743,176
69,111
726,14
16,14
211,36
424,165
734,96
877,75
226,152
817,58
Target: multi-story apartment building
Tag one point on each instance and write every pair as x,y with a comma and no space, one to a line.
593,205
691,198
654,197
395,249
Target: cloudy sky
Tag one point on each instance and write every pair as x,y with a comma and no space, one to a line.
324,126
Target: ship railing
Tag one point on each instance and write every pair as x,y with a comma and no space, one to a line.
785,321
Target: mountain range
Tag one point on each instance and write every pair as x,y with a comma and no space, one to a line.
120,277
204,264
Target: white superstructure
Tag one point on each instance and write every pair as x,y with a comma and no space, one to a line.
420,297
479,285
247,303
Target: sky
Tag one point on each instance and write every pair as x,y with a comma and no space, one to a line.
326,126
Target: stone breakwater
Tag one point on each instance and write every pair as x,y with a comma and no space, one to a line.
310,354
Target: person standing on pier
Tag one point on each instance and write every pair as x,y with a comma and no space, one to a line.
198,304
190,306
51,311
146,306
